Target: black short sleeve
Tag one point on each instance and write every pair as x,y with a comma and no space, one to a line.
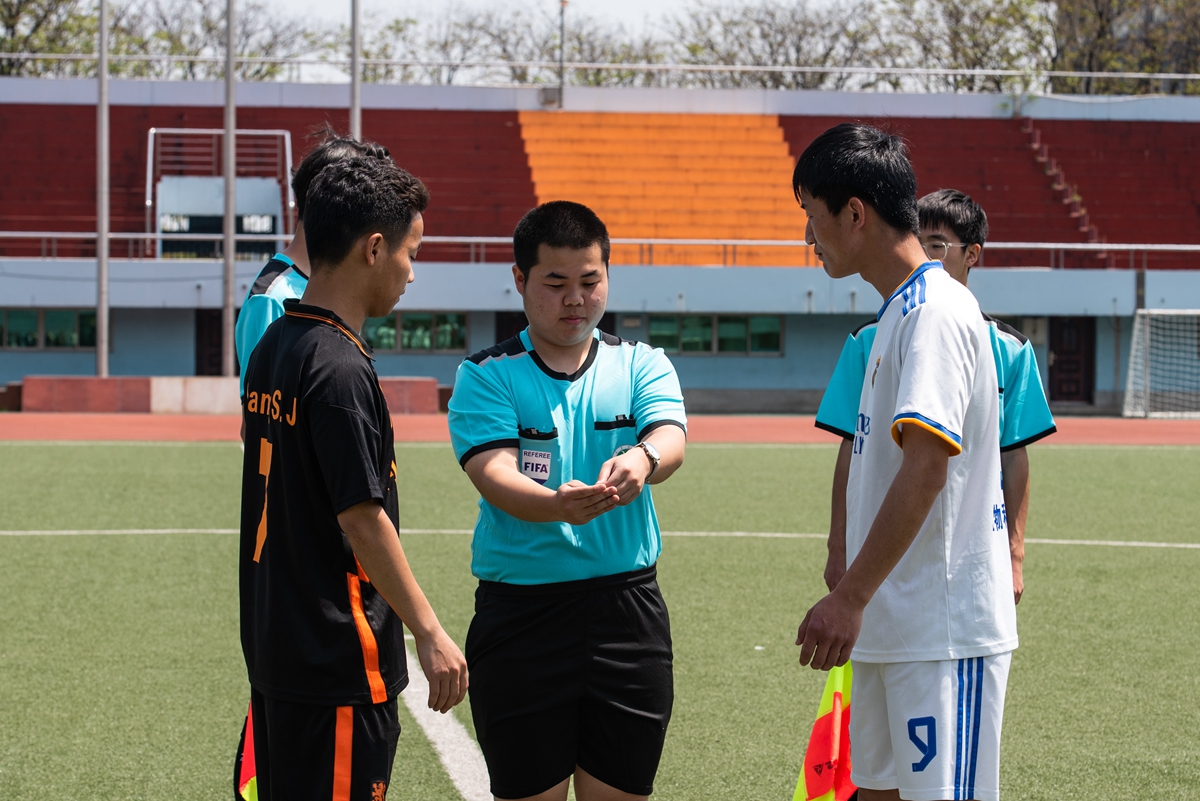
347,447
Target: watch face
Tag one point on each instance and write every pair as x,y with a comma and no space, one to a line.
653,451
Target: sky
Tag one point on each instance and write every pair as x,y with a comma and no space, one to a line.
633,14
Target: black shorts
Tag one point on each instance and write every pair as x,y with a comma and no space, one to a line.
304,751
571,674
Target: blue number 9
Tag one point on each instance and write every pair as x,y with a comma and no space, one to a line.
928,746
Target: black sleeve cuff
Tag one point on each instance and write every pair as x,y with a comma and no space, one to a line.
1029,440
487,446
832,429
645,432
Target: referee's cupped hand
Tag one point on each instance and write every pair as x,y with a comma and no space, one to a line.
628,473
445,668
580,503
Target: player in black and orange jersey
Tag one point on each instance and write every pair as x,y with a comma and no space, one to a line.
284,276
324,580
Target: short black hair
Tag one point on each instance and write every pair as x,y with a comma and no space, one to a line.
857,160
358,196
558,224
950,208
331,148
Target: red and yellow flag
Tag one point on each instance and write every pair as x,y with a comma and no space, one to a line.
825,775
247,775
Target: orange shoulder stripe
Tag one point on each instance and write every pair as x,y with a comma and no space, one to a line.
334,323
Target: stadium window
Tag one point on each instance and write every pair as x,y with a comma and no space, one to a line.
428,332
61,328
735,335
696,333
416,331
450,332
21,328
766,334
48,328
664,332
731,334
380,332
87,329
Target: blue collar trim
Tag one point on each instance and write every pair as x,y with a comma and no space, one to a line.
929,265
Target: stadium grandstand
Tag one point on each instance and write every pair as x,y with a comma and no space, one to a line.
694,184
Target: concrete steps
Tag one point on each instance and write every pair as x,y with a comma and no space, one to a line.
673,176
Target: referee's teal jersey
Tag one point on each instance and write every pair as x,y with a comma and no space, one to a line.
278,281
563,427
1024,414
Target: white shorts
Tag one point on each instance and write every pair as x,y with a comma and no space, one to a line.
932,729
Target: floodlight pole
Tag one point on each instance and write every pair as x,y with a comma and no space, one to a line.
229,165
355,72
102,208
562,48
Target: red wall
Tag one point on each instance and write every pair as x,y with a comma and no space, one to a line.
990,160
473,162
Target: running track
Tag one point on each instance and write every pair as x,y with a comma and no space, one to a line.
31,426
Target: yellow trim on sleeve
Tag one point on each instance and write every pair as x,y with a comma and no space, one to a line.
955,448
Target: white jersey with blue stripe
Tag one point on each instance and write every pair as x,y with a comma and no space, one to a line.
563,427
1024,413
931,367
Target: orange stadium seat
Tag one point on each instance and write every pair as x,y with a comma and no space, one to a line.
673,176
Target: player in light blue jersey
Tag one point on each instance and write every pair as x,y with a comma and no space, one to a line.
953,231
561,429
285,275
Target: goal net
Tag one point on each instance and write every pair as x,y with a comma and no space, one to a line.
1164,364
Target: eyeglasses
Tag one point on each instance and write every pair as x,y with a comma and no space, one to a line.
938,250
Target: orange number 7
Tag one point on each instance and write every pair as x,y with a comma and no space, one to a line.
264,469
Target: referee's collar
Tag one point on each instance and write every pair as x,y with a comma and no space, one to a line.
527,341
298,311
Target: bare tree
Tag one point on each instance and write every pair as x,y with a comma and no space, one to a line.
972,35
590,41
454,39
384,40
183,28
777,34
519,35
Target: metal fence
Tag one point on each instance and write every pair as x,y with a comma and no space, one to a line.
649,251
482,72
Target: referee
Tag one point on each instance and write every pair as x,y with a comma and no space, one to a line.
560,429
324,582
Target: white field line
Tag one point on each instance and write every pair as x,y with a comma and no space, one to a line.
766,535
83,531
1128,544
456,748
132,443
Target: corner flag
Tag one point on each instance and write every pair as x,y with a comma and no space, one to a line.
245,775
825,775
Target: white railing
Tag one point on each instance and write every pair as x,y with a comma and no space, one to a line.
492,64
477,245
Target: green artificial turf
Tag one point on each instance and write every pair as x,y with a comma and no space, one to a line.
121,674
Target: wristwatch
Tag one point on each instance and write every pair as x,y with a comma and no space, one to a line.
651,454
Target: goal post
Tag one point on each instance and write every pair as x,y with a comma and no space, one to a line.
1164,364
